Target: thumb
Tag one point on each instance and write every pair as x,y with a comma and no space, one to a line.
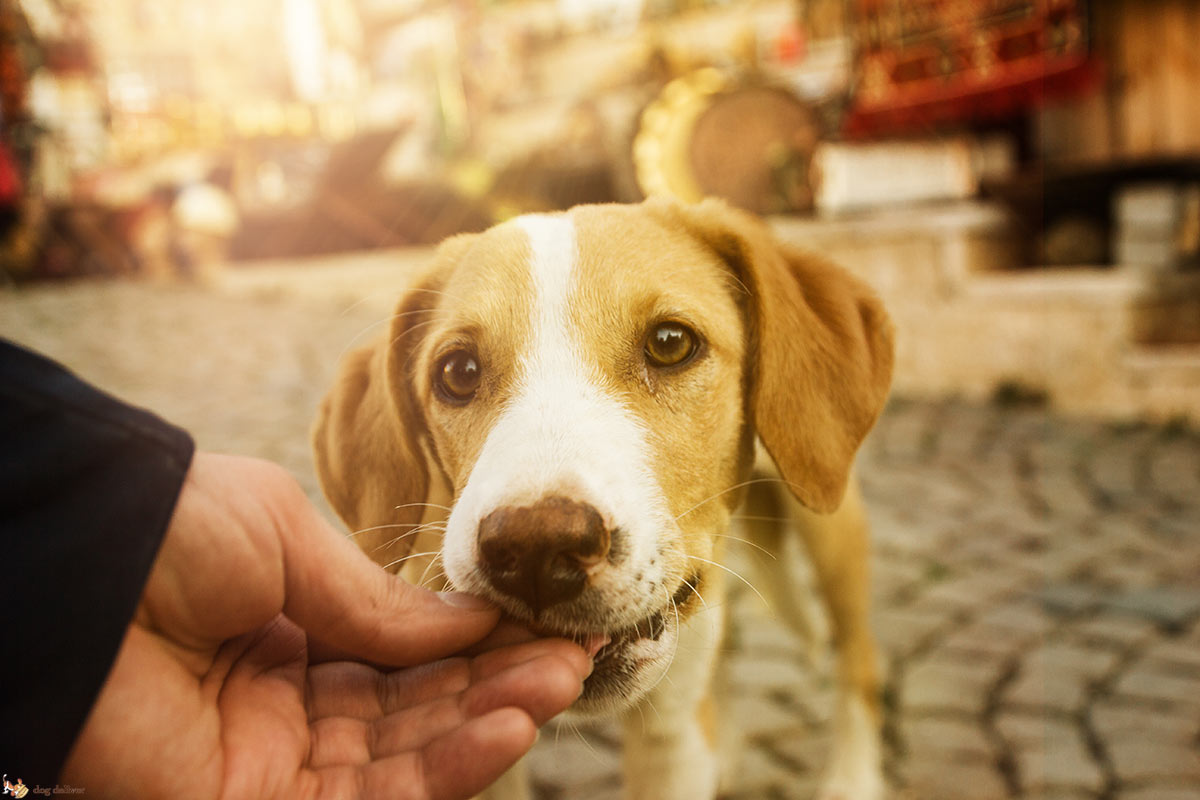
348,602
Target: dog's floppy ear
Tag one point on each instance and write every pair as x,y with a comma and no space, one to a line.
822,351
369,428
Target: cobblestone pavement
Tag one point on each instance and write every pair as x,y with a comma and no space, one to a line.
1037,579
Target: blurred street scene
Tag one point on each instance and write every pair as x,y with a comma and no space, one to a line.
204,205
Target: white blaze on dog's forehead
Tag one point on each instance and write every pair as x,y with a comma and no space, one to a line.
561,434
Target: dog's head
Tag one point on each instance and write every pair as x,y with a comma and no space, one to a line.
588,386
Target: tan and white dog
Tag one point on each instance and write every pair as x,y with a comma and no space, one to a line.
563,418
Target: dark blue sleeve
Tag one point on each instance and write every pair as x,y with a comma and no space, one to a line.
87,488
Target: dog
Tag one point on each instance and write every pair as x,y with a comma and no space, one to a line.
563,417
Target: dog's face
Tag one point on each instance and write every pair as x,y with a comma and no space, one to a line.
588,387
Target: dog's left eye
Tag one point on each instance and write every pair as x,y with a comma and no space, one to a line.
670,344
458,376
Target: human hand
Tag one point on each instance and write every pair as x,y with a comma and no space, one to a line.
220,689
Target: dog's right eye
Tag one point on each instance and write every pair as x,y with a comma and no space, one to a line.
458,376
670,344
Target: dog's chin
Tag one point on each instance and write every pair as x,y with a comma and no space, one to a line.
631,663
628,665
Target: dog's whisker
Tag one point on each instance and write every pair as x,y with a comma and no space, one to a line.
735,487
584,739
674,651
354,339
429,526
696,592
755,545
435,562
438,292
735,574
409,557
361,531
413,351
422,505
388,319
415,326
368,296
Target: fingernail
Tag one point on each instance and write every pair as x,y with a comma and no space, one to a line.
467,602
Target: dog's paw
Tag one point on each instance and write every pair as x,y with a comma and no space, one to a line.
855,771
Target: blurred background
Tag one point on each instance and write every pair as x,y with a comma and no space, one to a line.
203,205
1029,167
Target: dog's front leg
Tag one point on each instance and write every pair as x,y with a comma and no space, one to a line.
670,736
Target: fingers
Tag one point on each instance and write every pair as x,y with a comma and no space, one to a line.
498,739
348,603
539,683
347,689
455,766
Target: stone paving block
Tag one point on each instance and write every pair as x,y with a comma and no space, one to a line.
1092,663
1025,729
761,634
1159,686
907,436
1054,691
948,686
1123,718
946,738
1182,655
974,590
1060,760
806,752
1169,606
991,641
1063,559
584,761
1145,760
1069,597
756,773
1021,615
749,673
1126,574
960,428
893,578
1112,630
903,630
942,780
757,715
1162,793
1065,496
1115,466
1175,470
607,790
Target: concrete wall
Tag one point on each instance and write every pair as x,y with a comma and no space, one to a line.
970,321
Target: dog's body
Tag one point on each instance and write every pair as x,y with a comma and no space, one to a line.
563,417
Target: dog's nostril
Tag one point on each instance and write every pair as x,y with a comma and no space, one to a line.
499,556
542,554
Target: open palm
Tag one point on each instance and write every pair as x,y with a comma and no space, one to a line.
252,671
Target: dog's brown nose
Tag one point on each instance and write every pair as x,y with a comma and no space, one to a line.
541,554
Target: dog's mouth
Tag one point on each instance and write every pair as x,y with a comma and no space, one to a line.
601,646
619,655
